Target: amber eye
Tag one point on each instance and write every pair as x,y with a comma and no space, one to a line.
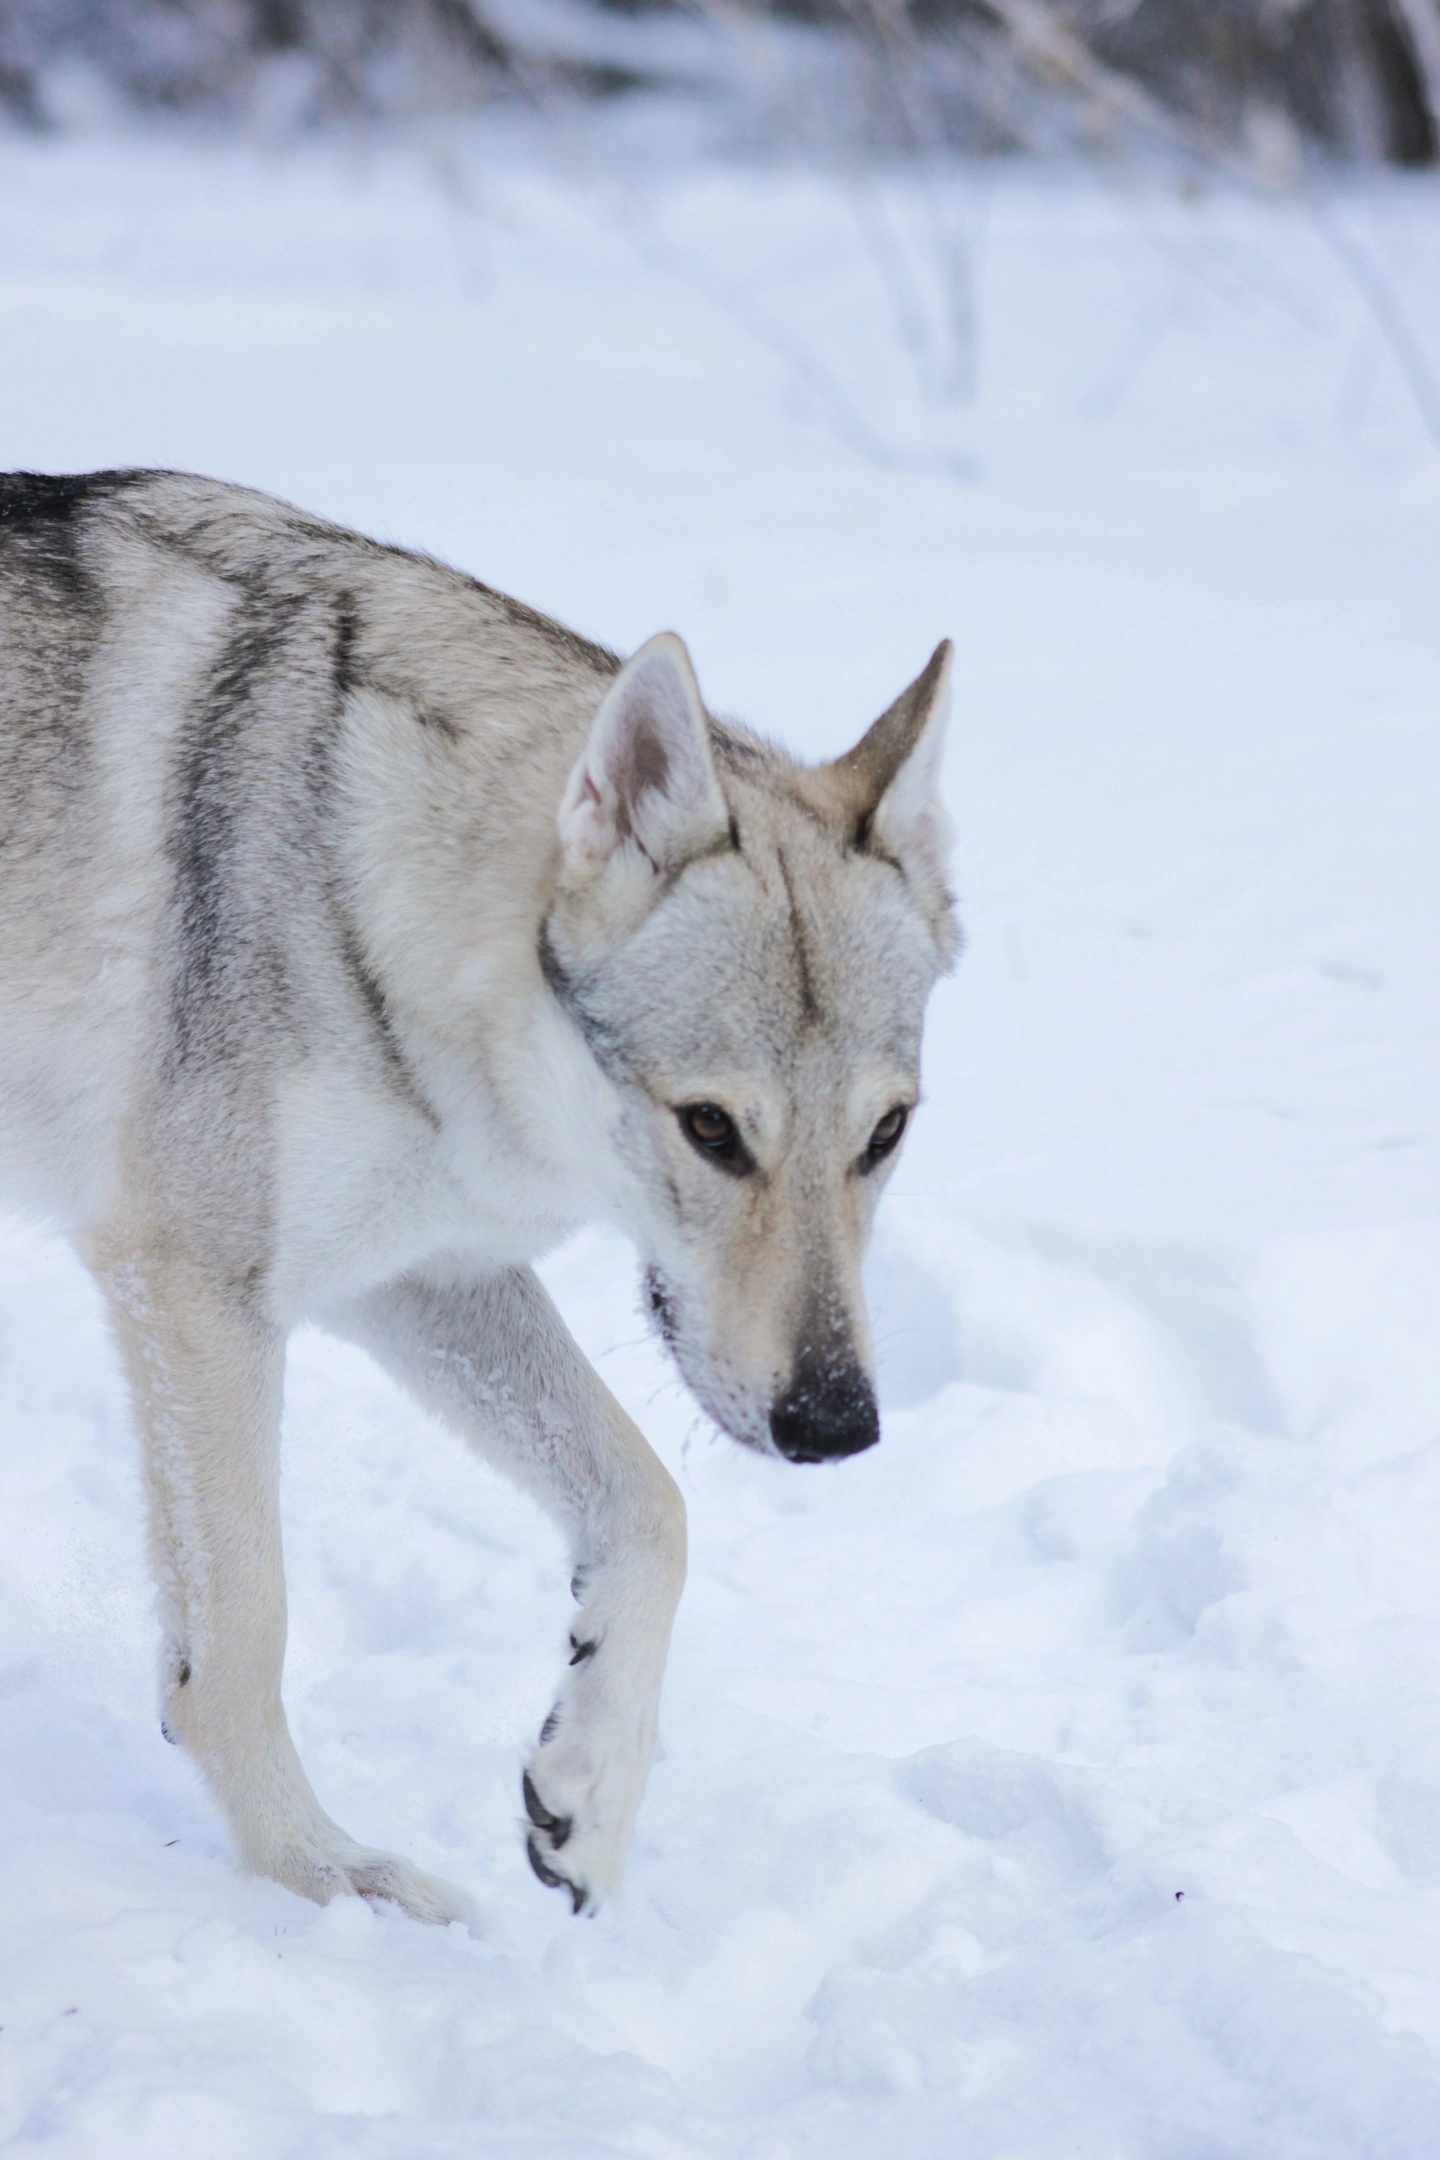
708,1125
713,1133
886,1135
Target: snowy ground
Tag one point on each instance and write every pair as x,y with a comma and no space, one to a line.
1063,1778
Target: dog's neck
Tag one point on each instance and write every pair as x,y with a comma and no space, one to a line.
450,860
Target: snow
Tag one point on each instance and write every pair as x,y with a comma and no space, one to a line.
1063,1777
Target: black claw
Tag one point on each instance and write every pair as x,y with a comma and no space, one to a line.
582,1650
556,1827
551,1877
166,1734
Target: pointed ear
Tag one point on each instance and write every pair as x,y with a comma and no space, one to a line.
892,776
645,781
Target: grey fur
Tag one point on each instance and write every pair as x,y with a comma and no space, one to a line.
363,932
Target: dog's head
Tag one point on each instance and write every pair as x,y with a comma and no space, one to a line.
746,946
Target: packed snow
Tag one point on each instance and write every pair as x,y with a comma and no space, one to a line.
1062,1778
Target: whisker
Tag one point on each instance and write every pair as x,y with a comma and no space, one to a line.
631,1342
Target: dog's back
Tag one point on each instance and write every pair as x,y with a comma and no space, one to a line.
188,674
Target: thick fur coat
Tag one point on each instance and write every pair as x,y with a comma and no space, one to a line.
363,932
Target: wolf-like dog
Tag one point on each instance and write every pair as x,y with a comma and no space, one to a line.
362,931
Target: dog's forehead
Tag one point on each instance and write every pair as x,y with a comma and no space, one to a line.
760,955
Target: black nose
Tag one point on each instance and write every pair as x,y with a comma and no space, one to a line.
824,1416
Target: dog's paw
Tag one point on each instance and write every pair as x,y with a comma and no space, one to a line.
344,1869
425,1897
547,1835
586,1861
582,1790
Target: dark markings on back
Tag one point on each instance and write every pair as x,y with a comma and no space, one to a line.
809,1002
377,1005
346,675
215,792
52,612
347,633
436,722
348,672
518,613
523,617
731,746
29,499
204,528
40,529
38,541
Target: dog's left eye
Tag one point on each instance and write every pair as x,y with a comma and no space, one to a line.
886,1136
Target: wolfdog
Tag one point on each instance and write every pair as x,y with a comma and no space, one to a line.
364,932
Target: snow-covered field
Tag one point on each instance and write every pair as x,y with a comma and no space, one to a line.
1062,1778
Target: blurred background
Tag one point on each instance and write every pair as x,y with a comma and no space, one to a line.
1253,82
1063,1777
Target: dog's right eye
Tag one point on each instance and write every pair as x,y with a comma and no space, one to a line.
714,1132
710,1126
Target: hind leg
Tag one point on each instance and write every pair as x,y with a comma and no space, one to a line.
491,1355
205,1375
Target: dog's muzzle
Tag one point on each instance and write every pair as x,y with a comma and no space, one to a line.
823,1417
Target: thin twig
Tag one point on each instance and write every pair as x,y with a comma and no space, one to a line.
831,400
899,45
1055,51
1390,318
1049,42
931,301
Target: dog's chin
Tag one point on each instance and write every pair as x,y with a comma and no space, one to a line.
736,1413
731,1408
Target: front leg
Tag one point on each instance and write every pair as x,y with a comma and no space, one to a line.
492,1357
205,1370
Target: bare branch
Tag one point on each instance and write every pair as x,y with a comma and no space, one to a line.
1420,22
1048,44
1380,297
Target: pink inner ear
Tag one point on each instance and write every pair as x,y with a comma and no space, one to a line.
645,779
